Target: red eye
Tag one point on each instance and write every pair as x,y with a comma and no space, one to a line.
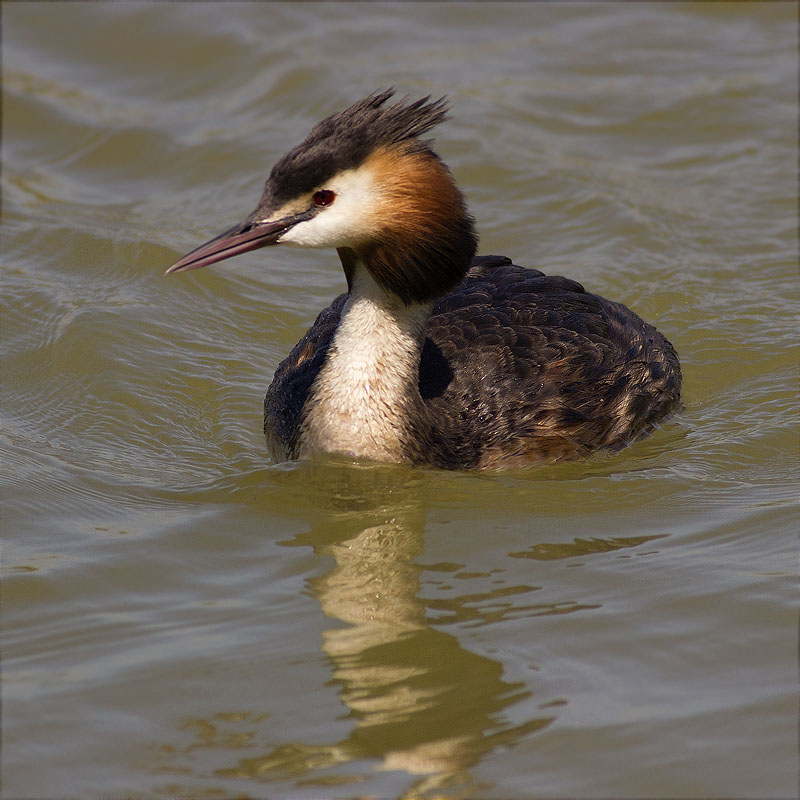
324,197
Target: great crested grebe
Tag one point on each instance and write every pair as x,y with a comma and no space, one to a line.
435,356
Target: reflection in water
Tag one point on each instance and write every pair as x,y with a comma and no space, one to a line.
420,702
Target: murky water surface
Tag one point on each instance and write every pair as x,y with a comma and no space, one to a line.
184,618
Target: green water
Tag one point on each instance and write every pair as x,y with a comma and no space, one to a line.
183,618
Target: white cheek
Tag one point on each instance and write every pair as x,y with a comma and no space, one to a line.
342,224
331,227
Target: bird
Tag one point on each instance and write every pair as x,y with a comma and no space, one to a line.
436,357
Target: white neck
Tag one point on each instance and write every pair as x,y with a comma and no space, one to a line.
360,400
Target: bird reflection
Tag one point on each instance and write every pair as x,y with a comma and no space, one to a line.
420,701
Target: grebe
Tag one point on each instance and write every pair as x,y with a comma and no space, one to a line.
434,356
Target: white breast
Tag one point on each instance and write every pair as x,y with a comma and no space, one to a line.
359,401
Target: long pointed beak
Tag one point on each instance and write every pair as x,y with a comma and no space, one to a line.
241,238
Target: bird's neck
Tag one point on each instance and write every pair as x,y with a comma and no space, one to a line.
361,399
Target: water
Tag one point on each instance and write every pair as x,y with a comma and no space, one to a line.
183,618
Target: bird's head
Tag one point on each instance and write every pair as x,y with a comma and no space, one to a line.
363,182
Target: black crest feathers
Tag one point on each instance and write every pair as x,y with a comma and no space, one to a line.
345,139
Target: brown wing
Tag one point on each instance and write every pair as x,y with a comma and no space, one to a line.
523,367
